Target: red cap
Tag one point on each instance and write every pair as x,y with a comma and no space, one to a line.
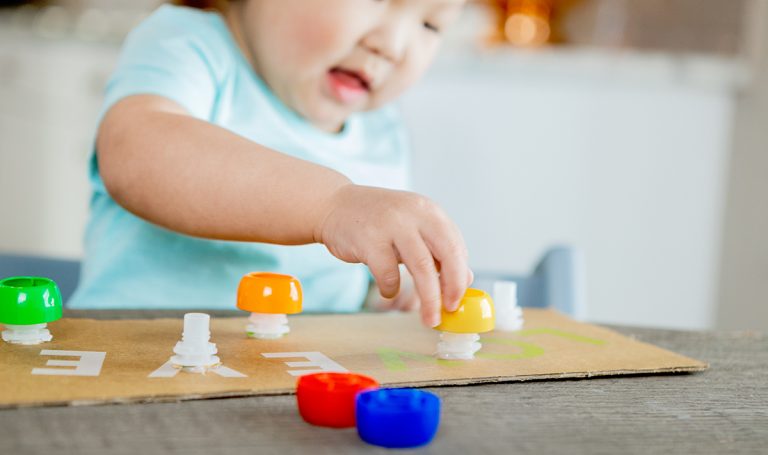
328,399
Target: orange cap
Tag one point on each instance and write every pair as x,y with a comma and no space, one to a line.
271,293
474,315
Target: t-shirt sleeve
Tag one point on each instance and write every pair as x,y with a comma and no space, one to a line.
171,54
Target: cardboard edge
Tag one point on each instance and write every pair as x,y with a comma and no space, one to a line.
148,399
422,384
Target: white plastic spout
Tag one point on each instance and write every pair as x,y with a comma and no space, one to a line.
509,316
195,353
196,328
458,346
26,334
267,326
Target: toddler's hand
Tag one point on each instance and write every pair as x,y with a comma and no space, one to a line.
382,228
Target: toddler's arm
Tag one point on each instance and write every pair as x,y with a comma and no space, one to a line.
193,177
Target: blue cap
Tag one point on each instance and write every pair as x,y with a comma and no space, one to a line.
397,418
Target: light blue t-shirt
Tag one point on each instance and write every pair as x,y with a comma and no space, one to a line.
190,57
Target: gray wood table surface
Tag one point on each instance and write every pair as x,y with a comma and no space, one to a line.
722,410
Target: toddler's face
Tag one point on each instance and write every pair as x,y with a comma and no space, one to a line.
328,58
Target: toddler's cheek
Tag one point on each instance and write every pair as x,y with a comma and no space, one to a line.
311,43
312,40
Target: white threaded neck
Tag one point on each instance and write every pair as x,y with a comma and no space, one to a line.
194,352
267,326
505,293
509,316
26,334
458,346
196,328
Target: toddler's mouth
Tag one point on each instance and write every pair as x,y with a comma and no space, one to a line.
348,86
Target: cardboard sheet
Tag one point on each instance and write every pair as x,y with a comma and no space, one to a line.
123,361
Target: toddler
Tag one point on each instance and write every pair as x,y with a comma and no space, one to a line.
257,135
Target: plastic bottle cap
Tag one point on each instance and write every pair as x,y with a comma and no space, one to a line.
328,399
27,300
271,293
397,418
474,315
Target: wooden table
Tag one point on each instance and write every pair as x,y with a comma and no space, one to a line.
723,410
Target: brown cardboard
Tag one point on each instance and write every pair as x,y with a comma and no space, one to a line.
393,348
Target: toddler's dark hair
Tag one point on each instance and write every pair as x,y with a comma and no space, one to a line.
202,4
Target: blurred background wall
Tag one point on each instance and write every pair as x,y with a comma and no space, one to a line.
634,130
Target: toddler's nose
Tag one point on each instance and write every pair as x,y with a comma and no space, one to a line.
389,40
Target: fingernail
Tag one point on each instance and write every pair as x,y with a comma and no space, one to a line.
434,321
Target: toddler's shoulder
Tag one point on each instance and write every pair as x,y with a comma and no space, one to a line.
170,20
182,29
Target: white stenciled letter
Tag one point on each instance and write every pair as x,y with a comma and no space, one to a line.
320,361
89,364
168,370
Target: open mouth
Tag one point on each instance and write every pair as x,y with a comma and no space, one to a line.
351,79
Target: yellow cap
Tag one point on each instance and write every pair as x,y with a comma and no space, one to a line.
474,315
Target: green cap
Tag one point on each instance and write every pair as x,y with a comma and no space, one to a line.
26,300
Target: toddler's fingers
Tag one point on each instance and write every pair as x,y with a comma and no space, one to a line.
452,283
420,263
384,268
448,248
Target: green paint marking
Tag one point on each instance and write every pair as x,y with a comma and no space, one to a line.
561,334
529,350
394,360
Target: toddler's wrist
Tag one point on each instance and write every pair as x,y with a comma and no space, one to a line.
327,206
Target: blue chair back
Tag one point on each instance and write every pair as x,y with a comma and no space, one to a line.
556,282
